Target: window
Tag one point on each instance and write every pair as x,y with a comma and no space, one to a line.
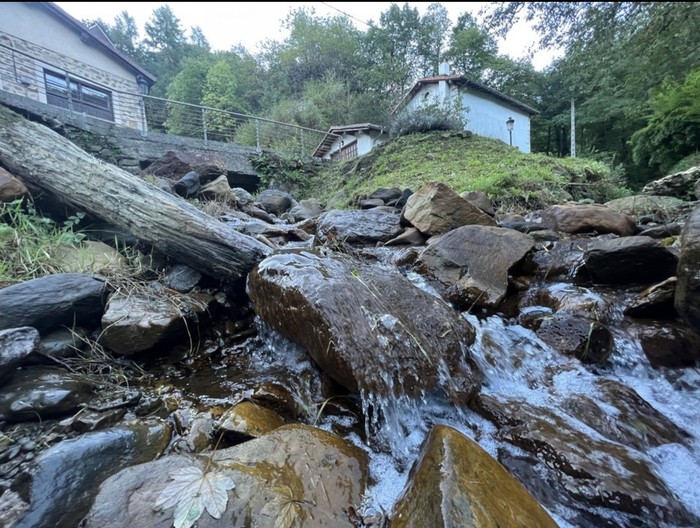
346,152
75,95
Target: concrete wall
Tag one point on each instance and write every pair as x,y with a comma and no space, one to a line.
32,40
366,141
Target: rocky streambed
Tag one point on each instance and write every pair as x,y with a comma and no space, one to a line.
421,362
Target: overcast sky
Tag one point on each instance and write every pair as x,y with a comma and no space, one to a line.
226,24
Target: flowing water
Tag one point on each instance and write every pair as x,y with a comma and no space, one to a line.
516,366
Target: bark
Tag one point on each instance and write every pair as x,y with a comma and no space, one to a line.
45,159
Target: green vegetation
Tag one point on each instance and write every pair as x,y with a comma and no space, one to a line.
467,162
29,242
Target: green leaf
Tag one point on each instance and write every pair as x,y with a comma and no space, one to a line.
192,491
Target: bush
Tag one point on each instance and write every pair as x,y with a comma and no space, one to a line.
428,117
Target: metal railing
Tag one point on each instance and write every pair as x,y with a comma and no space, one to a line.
24,74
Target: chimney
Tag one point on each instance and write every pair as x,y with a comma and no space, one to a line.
443,69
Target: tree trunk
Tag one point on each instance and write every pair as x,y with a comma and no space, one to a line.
46,160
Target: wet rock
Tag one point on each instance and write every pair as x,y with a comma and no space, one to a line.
687,297
371,203
668,344
60,344
275,202
294,476
560,260
246,419
456,483
174,165
636,424
592,471
306,209
656,301
574,218
388,196
666,207
437,209
628,260
369,226
182,278
577,336
473,262
188,185
662,231
39,393
53,301
94,421
681,184
10,187
411,236
480,200
64,480
16,344
139,321
218,189
359,324
91,257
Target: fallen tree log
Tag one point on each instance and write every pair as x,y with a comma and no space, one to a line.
44,159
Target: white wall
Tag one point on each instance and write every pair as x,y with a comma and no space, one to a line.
365,142
487,116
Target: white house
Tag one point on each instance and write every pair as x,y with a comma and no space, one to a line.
48,56
344,142
489,112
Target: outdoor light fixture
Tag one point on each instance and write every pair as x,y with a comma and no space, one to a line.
509,125
143,84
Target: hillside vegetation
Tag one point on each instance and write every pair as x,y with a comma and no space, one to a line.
465,162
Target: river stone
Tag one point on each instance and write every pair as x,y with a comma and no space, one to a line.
371,203
577,335
63,480
681,184
135,322
306,209
388,196
91,257
16,344
188,185
436,209
366,226
574,218
560,260
296,475
218,189
656,301
687,297
174,165
360,324
627,260
53,301
481,200
39,393
275,201
182,278
246,419
664,206
10,187
472,263
635,423
593,471
669,344
455,483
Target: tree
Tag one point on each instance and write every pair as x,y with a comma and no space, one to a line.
220,92
472,51
435,26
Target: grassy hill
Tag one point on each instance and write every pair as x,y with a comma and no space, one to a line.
465,162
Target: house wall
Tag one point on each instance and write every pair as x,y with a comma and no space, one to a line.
486,116
365,142
31,40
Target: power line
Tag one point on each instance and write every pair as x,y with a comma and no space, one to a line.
348,15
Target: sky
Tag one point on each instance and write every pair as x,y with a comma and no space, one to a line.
226,24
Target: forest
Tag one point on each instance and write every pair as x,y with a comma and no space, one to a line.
632,69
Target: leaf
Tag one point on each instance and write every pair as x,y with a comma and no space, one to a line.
283,507
192,491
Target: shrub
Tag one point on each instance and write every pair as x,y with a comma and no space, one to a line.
428,117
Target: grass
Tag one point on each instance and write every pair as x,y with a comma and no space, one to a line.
468,162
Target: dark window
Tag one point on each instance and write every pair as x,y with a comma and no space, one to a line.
346,152
78,96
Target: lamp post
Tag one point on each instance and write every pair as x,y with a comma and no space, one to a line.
509,126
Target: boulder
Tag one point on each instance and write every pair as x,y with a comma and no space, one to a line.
366,226
16,344
10,187
680,185
687,296
574,218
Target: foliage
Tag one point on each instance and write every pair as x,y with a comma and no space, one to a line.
431,115
29,241
192,491
673,131
467,162
285,173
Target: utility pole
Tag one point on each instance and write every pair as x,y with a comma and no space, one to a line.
573,128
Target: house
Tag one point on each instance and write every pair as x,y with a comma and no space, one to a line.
49,57
489,112
344,142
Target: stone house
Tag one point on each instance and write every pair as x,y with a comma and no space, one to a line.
49,57
489,112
